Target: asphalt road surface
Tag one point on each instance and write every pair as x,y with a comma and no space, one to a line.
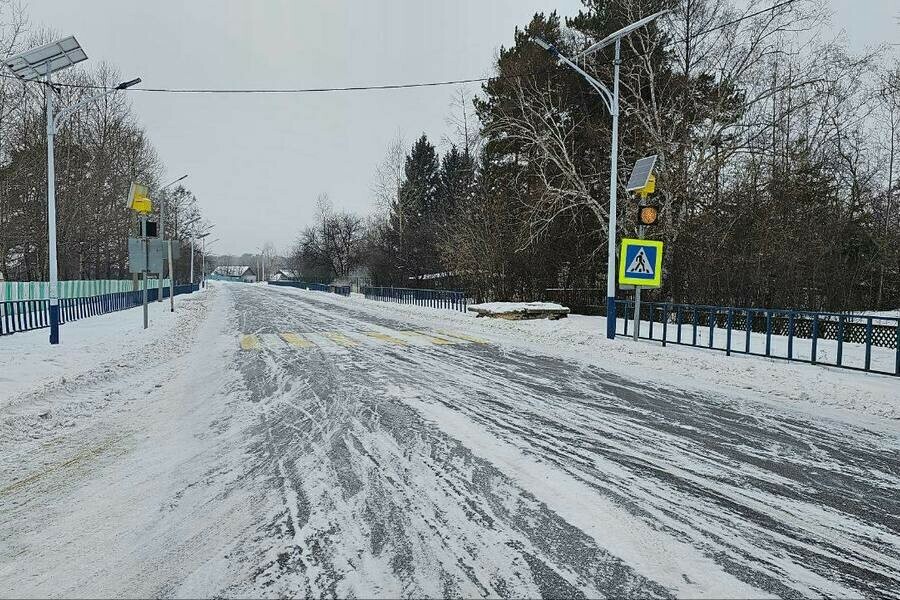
304,447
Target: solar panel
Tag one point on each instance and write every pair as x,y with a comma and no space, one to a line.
49,58
641,172
620,33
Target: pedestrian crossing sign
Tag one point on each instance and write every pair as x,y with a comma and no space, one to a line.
640,263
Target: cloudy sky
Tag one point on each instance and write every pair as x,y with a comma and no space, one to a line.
258,162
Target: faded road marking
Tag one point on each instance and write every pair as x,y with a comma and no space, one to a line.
340,339
296,340
463,336
385,338
431,338
249,342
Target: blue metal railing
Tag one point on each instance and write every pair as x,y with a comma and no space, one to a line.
431,298
25,315
865,343
343,290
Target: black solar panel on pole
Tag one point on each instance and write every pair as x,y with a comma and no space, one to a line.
640,174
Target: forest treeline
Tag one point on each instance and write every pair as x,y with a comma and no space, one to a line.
99,151
777,172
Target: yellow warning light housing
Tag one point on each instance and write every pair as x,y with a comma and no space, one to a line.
139,198
649,188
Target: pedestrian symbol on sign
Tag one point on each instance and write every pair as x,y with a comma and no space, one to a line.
641,263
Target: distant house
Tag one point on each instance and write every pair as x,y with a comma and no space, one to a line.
234,273
285,275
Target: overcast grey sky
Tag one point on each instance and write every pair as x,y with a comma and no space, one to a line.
258,162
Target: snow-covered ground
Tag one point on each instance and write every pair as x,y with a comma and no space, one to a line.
28,361
276,442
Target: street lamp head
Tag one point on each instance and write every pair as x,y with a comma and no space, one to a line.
39,62
546,46
127,84
203,235
171,183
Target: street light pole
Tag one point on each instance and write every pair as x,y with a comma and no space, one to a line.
203,237
613,189
32,66
193,233
51,217
162,236
611,100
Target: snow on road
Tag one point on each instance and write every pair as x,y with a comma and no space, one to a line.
299,443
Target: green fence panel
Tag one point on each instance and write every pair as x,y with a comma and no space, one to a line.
40,290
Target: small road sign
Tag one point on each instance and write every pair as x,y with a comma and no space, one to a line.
640,263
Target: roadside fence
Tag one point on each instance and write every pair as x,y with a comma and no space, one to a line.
73,288
431,298
343,290
864,343
25,315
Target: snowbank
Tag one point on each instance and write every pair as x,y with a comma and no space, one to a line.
526,309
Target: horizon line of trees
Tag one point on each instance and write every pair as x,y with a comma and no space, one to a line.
778,170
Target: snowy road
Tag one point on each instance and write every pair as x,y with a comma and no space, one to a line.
299,445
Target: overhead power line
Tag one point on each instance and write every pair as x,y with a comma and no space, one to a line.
738,20
360,88
353,88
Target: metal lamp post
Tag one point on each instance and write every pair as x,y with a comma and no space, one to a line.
186,225
203,258
198,237
611,101
162,236
34,65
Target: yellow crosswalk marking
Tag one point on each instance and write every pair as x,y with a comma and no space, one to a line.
341,339
249,342
431,338
385,338
463,336
296,340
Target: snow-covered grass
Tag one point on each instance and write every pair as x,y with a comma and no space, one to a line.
29,363
815,389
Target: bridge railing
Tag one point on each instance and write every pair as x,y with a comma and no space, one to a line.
25,315
343,290
861,342
452,300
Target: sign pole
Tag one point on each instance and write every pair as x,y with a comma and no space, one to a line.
146,264
162,236
171,280
637,297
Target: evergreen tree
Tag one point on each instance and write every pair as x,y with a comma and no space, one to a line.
413,215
